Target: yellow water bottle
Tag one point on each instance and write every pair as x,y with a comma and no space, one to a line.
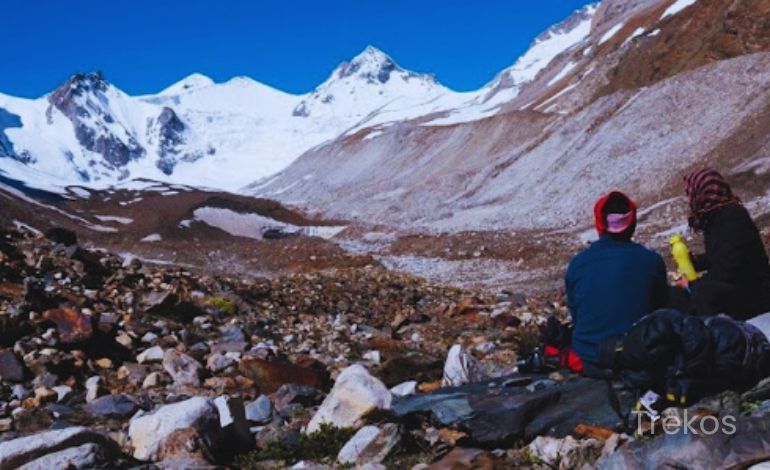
682,257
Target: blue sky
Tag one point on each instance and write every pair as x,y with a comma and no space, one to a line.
142,46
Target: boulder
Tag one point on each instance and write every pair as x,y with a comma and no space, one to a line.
11,367
183,369
17,452
355,394
149,432
370,445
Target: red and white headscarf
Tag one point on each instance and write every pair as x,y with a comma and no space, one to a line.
708,191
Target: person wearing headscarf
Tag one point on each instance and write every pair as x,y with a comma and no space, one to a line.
737,273
614,282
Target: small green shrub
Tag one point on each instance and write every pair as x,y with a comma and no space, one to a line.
322,445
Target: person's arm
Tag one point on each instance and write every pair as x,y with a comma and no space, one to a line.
700,262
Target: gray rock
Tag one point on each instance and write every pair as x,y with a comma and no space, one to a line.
218,362
17,452
260,411
11,367
85,456
370,445
112,406
183,369
149,432
231,334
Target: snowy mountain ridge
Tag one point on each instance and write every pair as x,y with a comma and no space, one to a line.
227,135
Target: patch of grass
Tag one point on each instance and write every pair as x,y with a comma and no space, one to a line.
222,304
320,446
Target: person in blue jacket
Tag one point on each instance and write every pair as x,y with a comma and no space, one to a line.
614,282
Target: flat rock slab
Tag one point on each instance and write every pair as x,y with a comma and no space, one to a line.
498,411
24,450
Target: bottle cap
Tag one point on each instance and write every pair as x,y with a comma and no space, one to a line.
676,238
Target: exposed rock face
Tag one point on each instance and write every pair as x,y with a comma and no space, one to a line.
81,100
355,394
170,130
713,30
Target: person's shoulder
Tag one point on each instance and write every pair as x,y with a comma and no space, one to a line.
581,256
647,252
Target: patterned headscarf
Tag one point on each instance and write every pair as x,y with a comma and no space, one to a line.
708,191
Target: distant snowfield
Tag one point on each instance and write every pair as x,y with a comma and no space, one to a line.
254,225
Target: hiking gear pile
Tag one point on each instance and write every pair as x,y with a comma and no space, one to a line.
684,358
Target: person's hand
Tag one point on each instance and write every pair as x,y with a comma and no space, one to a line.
682,282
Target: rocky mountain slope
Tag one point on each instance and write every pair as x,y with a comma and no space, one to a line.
628,94
648,91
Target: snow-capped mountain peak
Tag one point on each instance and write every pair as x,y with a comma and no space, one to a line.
371,65
191,82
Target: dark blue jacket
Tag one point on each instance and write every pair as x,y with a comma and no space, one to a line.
611,285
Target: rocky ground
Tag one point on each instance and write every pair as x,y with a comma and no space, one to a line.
107,363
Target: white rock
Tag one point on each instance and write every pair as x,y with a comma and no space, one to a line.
153,354
370,445
148,432
372,356
405,388
461,368
62,392
355,394
93,388
152,380
150,338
